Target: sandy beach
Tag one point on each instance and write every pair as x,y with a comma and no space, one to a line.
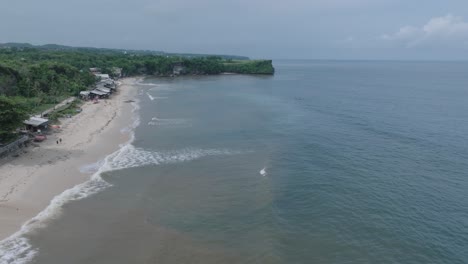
29,182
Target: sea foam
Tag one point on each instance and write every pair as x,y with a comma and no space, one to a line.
141,83
16,249
131,156
168,122
150,97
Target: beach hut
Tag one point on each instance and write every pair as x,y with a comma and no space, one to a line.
105,90
36,123
95,70
110,84
98,94
84,95
102,77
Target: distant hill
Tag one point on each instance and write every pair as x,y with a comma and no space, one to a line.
57,47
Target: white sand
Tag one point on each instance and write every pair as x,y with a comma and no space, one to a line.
29,182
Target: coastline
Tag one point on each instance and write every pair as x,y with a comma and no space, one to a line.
30,182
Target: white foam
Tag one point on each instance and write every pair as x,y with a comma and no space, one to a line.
263,172
16,249
146,84
150,97
161,87
167,121
131,156
140,81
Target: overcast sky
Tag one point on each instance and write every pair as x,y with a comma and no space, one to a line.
312,29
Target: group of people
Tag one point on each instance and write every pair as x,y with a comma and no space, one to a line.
59,141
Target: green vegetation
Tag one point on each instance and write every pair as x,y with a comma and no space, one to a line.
66,110
40,77
249,66
13,111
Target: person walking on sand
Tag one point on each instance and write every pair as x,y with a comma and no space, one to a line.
57,142
60,140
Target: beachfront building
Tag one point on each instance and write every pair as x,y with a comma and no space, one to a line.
104,89
102,77
95,70
110,84
36,124
97,94
84,95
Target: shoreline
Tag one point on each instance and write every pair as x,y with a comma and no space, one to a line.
30,182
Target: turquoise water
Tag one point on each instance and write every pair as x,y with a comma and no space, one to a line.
325,162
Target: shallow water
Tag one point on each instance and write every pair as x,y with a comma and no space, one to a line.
325,162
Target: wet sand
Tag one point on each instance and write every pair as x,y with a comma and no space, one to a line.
29,182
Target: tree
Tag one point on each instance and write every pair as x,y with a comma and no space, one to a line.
13,112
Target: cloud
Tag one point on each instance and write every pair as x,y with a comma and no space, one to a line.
447,30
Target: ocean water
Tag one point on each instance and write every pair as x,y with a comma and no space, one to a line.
325,162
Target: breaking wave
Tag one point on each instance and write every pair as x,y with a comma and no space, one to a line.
140,82
160,87
16,249
131,156
168,122
152,98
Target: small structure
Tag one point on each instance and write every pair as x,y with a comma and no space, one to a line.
103,77
84,95
95,70
98,94
110,84
36,123
105,90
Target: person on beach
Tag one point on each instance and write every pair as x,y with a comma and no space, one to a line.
60,140
57,142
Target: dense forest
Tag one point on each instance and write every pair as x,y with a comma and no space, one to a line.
31,78
30,72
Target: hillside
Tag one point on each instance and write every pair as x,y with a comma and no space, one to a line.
34,78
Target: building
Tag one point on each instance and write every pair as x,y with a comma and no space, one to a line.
94,94
110,84
36,124
102,76
105,90
84,95
95,70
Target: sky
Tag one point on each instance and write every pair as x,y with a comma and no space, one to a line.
287,29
